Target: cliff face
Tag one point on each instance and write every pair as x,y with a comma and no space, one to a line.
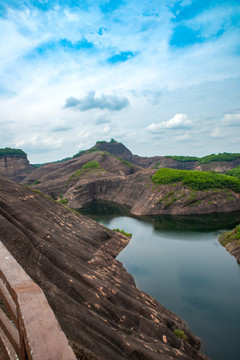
15,167
145,198
72,258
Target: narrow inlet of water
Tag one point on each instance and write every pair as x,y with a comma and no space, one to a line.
179,261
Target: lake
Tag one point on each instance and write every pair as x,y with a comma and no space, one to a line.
179,261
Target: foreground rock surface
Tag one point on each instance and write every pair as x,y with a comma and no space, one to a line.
95,300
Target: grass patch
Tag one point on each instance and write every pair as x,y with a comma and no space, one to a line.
36,182
230,236
92,150
197,180
156,166
125,162
180,334
63,201
123,232
91,164
198,202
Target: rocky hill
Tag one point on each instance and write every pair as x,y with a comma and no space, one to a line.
96,301
99,176
15,167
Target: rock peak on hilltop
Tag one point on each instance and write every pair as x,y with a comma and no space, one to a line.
115,148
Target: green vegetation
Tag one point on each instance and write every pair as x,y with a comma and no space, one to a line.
91,164
198,202
11,152
156,166
123,232
234,172
206,159
36,182
125,162
180,334
93,149
80,152
63,201
230,236
220,157
112,141
197,180
183,158
170,198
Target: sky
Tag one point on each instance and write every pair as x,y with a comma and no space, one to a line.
162,77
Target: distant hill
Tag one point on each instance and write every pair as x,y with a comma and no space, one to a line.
14,164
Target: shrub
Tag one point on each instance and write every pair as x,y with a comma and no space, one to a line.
234,172
197,180
63,201
79,153
11,152
180,334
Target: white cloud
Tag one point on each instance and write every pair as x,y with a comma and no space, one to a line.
38,75
179,121
110,102
231,120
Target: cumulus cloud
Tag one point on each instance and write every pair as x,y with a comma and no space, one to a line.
109,102
231,119
179,121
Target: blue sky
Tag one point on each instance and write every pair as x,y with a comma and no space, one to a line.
163,77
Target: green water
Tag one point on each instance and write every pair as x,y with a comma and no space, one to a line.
179,261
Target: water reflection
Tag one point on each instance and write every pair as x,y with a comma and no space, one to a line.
108,210
179,261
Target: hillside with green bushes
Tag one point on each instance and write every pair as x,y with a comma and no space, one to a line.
197,180
12,152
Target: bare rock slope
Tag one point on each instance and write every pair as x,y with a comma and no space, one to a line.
95,300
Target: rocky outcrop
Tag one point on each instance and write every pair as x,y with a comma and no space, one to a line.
95,300
218,166
15,167
231,241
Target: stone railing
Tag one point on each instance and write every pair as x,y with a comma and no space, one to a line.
31,330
